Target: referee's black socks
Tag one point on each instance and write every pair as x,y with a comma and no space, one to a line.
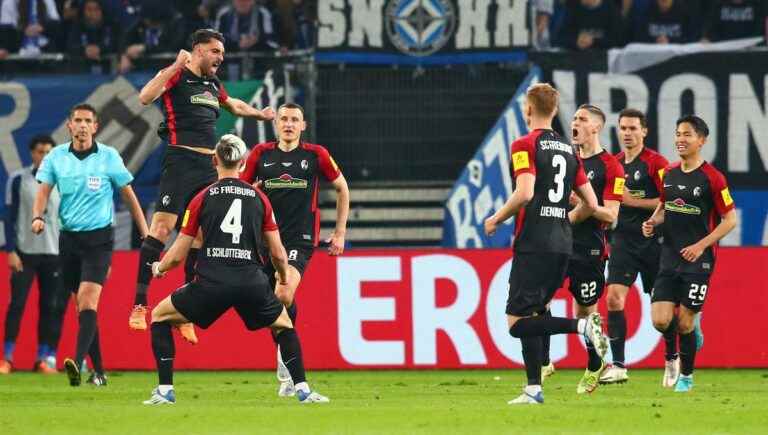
617,332
150,251
95,353
164,350
290,350
85,333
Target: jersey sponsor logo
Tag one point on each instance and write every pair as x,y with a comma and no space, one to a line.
679,206
285,181
727,199
618,186
94,183
206,99
520,160
266,165
287,164
186,219
637,194
681,186
305,164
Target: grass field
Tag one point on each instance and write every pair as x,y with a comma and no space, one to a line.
444,402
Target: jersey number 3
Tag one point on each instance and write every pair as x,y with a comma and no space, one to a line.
232,223
556,193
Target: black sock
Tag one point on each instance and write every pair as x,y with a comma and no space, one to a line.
189,264
539,326
164,349
292,313
594,361
687,353
670,340
95,353
532,358
290,350
150,251
617,331
545,341
85,333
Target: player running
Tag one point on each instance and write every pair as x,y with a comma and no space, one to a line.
694,197
586,267
289,171
546,171
235,220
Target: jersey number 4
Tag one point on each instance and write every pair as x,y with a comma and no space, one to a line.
232,223
556,193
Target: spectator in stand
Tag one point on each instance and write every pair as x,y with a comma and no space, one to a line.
669,21
246,27
160,29
591,24
297,21
36,23
735,19
124,13
92,36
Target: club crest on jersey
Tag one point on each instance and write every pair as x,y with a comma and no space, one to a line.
94,183
591,175
304,165
166,200
680,206
637,175
697,192
285,181
206,99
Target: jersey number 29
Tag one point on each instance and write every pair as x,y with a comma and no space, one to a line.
232,223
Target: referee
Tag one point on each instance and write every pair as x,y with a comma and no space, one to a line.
86,174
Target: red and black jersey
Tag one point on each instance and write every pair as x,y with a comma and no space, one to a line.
191,105
643,181
233,216
693,204
542,225
607,178
291,180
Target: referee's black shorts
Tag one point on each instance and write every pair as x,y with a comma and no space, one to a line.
85,256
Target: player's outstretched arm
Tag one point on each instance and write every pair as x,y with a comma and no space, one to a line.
336,240
130,200
726,225
38,208
277,255
239,107
174,256
155,87
524,184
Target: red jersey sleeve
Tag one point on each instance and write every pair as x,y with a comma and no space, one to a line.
581,178
190,223
523,153
252,165
328,166
223,94
658,168
268,221
614,179
721,196
173,80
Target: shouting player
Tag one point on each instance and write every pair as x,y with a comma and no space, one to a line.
191,100
235,220
586,267
289,171
694,197
546,171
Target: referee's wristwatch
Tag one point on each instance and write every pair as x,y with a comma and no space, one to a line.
38,218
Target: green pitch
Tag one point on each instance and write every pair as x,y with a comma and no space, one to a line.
439,402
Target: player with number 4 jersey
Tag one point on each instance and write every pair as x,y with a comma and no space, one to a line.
696,211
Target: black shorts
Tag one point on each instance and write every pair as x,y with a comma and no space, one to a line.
85,256
687,289
298,257
185,172
633,254
587,279
533,281
203,303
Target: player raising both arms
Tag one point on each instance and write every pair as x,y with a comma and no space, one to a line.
546,170
235,219
694,196
586,267
289,171
191,100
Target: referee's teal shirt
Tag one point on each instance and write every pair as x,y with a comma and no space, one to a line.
86,186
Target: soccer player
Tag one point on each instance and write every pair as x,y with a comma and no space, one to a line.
586,267
235,219
30,256
191,100
289,171
546,171
694,197
631,253
86,173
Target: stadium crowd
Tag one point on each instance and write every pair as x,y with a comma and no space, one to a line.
92,29
603,24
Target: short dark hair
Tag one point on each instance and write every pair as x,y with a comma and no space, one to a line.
591,108
40,139
634,113
698,124
84,106
292,106
204,36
